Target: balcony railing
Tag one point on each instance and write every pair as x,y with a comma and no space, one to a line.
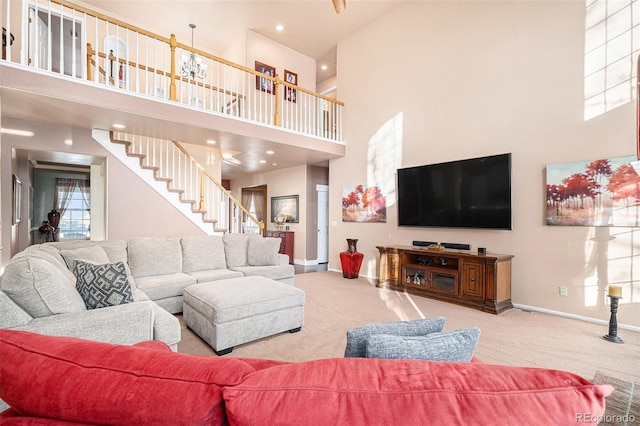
60,37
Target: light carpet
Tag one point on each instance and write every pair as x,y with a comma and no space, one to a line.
516,337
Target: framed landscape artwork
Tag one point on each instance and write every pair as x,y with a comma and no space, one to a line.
361,203
262,83
594,193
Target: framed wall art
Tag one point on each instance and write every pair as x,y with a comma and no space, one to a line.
265,84
290,93
361,203
601,192
285,206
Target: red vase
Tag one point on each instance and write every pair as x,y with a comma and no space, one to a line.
351,260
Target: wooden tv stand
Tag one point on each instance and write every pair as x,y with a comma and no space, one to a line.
480,281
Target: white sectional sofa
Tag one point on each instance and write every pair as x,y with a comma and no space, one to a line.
38,291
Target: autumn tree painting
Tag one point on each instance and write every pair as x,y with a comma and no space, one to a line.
364,204
597,193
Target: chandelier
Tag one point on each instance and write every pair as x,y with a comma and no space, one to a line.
192,65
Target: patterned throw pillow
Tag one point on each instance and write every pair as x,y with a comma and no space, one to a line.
454,346
357,337
102,285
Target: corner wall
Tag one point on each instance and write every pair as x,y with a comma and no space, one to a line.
441,81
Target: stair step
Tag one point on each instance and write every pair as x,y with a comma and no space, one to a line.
163,179
177,191
154,168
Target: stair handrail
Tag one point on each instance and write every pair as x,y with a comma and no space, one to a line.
205,172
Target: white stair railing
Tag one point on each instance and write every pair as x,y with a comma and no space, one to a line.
173,164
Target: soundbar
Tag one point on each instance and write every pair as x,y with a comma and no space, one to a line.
454,246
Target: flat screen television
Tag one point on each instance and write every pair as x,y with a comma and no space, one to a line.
470,193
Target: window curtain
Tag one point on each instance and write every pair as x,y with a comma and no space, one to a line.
62,195
246,203
85,190
258,203
64,190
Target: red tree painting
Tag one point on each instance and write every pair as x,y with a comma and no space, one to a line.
364,204
596,193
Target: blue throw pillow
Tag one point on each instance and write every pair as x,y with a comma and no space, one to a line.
357,337
454,346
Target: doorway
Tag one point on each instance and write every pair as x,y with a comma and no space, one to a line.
55,42
323,223
254,199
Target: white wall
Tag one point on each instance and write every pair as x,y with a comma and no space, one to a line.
466,79
267,51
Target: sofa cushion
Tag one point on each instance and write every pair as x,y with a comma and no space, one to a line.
103,285
358,391
93,254
202,253
263,251
357,337
40,288
236,248
155,256
12,314
93,382
163,286
54,258
457,345
46,248
116,249
215,275
276,272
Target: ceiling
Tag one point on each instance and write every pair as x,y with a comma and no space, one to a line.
311,27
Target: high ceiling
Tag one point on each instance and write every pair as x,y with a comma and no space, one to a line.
311,27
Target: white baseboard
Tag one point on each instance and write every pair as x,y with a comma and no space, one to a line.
305,262
578,317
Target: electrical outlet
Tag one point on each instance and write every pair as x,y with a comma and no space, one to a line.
563,291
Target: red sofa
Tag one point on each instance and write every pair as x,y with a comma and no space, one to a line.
59,380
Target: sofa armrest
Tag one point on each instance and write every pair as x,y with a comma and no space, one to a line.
123,324
283,259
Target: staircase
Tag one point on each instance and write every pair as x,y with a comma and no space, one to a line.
176,175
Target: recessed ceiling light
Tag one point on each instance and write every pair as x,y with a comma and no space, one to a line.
270,152
262,161
274,164
211,142
119,126
16,132
323,67
68,142
279,27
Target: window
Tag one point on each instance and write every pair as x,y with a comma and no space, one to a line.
73,201
612,44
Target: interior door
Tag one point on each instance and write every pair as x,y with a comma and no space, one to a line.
38,41
55,44
323,223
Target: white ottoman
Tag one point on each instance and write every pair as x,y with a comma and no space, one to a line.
234,311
